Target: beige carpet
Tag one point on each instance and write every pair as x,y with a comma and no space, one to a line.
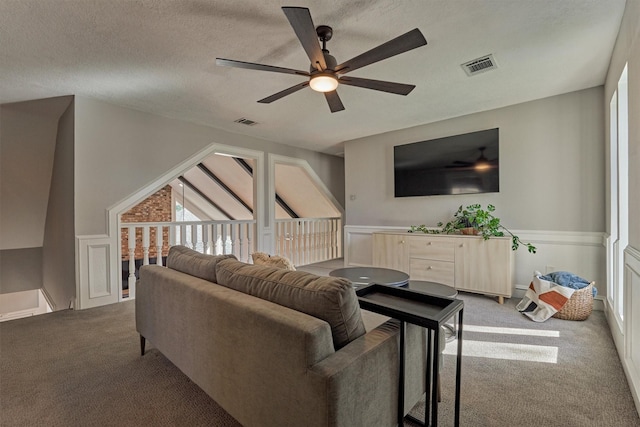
83,368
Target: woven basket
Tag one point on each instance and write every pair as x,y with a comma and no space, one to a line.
579,306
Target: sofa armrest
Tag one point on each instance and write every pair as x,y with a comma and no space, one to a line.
362,377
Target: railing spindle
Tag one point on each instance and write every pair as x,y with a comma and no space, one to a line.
159,242
194,236
241,245
172,235
232,238
250,231
183,235
132,259
145,245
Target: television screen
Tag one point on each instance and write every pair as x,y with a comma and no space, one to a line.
460,164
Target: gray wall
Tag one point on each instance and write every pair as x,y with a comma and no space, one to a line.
27,144
58,261
120,151
20,270
551,168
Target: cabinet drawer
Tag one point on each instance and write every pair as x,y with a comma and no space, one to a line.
431,249
432,270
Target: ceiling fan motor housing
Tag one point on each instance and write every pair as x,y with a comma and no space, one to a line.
329,59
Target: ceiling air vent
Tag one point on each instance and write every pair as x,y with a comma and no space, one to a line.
479,65
246,121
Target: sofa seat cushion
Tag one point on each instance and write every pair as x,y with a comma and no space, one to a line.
194,263
331,299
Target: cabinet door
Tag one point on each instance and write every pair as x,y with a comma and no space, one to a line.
483,266
390,251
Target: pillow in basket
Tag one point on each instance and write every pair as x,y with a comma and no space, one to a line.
543,299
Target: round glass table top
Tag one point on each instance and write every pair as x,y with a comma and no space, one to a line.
366,275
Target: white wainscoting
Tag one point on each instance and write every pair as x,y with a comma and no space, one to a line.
629,344
582,253
97,273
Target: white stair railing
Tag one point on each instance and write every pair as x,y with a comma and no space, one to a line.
302,240
309,240
210,237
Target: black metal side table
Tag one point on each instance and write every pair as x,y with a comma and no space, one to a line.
440,290
430,312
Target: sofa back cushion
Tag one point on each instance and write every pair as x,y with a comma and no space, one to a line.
331,299
194,263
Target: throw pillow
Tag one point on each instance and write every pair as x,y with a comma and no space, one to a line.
262,258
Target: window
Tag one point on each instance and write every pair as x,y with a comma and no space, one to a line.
619,175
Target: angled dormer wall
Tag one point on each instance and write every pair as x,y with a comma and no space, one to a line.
36,199
123,155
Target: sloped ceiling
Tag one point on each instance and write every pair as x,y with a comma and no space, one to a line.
300,192
159,56
198,190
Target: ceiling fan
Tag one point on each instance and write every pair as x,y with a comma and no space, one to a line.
480,164
325,74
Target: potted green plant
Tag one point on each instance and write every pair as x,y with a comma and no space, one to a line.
475,220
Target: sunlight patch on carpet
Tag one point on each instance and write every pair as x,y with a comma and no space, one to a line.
502,350
511,331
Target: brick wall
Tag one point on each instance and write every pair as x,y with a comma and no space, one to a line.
155,208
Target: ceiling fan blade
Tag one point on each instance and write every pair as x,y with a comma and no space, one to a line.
300,20
259,67
400,44
390,87
335,104
282,94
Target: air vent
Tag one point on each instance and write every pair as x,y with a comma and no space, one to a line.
479,65
246,121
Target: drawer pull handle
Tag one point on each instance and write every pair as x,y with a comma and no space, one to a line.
429,268
429,244
462,245
402,242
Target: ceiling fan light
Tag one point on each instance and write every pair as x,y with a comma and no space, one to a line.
482,166
323,83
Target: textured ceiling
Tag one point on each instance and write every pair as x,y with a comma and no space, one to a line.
159,56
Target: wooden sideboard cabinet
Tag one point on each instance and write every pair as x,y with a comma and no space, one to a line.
468,263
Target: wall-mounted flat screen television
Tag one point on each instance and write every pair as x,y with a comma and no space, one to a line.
460,164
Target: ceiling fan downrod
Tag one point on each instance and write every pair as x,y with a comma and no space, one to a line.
324,33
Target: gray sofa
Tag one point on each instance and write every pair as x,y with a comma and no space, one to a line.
276,347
